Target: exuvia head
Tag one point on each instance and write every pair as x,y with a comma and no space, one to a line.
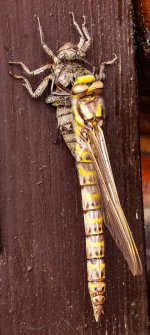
70,52
87,85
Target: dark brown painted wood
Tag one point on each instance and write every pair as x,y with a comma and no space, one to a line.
142,38
43,282
143,20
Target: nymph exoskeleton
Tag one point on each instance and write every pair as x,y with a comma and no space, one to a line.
80,113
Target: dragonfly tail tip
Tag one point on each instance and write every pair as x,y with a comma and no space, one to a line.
98,311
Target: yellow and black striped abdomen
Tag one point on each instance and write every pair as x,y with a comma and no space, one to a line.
93,221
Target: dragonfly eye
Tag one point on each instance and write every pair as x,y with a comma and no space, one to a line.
97,86
79,89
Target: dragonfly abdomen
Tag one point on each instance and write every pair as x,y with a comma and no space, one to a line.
93,221
92,210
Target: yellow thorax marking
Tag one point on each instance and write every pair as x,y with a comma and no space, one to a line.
90,98
78,118
99,110
89,78
77,130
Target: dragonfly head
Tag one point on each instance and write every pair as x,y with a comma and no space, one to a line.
87,85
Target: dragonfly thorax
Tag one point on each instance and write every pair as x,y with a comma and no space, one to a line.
87,104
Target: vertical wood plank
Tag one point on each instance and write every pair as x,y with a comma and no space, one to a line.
42,264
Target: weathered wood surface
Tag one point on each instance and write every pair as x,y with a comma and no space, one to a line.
42,264
143,24
142,37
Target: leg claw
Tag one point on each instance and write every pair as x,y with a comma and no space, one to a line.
84,21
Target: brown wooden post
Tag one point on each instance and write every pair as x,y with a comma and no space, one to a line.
43,281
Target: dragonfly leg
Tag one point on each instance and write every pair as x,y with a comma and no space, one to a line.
82,37
87,35
34,72
85,39
40,89
101,75
64,90
44,45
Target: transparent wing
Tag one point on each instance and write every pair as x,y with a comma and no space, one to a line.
116,220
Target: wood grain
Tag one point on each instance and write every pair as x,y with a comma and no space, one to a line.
42,264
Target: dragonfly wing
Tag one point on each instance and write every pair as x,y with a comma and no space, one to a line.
116,221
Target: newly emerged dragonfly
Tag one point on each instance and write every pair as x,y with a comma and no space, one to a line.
80,119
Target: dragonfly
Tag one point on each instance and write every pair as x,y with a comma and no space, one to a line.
80,114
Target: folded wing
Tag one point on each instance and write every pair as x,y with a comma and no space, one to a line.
115,219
